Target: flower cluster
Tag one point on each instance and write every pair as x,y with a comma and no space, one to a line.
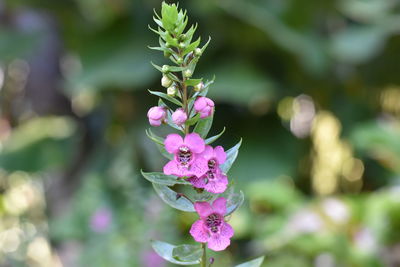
192,160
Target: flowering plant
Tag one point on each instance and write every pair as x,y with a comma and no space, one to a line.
192,160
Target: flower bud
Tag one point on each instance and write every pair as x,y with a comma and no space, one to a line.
197,52
198,87
182,45
165,81
179,117
204,106
179,60
156,115
187,73
165,68
171,91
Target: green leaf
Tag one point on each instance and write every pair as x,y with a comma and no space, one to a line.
170,40
187,253
169,15
156,66
193,82
214,138
166,97
169,197
203,126
161,178
193,120
192,46
166,250
234,201
175,68
205,46
155,138
231,156
253,263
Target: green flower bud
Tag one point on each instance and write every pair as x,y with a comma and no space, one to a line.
197,52
165,81
179,60
171,91
165,68
182,45
182,37
198,87
187,73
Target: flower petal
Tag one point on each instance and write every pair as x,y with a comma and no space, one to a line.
220,154
198,167
219,205
194,142
218,242
216,186
197,182
203,209
170,168
199,232
226,230
208,153
173,142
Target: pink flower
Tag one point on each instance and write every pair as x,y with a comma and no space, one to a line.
211,227
213,181
101,220
156,115
179,117
187,161
204,106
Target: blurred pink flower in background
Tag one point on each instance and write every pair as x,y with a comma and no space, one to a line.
151,259
101,220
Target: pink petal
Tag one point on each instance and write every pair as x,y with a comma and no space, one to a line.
194,142
219,205
208,153
197,182
203,209
173,142
220,154
199,232
200,103
216,186
226,230
218,242
155,122
170,168
209,102
198,167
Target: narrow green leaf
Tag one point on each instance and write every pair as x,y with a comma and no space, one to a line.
166,97
161,178
205,46
203,126
187,253
214,138
169,197
234,201
170,40
166,250
175,68
156,66
231,156
164,152
253,263
154,137
192,46
193,82
193,120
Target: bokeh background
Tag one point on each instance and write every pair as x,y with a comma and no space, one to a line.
313,87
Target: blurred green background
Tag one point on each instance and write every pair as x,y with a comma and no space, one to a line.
313,87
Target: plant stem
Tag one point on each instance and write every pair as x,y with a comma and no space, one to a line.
203,262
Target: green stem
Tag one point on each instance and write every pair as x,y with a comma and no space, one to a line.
203,262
